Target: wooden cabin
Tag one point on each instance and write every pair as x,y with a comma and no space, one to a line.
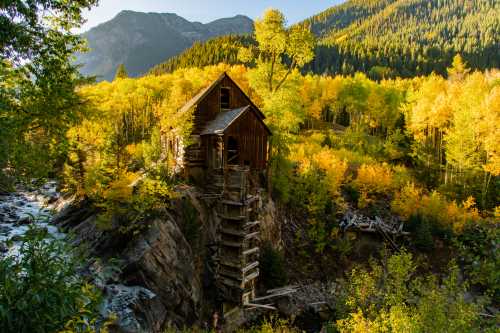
227,152
228,131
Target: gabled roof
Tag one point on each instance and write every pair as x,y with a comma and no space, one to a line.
202,94
225,118
205,91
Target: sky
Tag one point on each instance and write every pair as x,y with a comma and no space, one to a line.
206,10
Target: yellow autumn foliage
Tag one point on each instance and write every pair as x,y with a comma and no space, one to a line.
375,178
333,167
411,200
121,189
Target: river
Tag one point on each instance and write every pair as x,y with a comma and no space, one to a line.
20,209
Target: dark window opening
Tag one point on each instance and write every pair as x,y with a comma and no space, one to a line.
225,98
233,153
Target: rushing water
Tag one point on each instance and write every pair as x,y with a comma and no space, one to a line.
19,209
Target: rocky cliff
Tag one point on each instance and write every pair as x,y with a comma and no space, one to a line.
163,275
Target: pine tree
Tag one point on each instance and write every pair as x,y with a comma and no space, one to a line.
458,69
121,72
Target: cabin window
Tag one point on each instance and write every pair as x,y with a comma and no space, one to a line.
225,98
233,153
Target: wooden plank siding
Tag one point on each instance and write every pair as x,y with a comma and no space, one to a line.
252,138
249,130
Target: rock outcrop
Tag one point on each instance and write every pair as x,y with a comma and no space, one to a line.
162,261
162,275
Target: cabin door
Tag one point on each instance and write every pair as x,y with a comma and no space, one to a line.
216,152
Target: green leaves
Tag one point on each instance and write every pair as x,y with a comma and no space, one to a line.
389,298
40,291
271,35
37,94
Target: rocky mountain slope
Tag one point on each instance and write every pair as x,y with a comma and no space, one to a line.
141,40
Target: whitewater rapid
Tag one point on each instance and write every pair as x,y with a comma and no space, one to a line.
22,208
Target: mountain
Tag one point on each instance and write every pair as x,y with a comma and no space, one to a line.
406,37
385,38
141,40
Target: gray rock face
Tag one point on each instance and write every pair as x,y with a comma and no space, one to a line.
134,307
162,260
142,40
156,283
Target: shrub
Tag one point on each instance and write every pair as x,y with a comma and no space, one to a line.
478,249
390,298
40,290
421,231
272,267
373,179
444,216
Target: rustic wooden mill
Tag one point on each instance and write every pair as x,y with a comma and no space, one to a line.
228,158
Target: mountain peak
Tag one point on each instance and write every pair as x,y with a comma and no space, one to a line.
140,40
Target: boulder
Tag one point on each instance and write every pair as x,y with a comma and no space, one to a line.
4,230
25,220
270,226
16,238
3,247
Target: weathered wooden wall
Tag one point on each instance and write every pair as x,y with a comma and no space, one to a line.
252,138
248,130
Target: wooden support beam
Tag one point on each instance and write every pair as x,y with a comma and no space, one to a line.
232,244
230,282
252,235
250,277
234,218
230,263
237,276
250,267
249,225
251,251
232,203
252,306
275,290
282,293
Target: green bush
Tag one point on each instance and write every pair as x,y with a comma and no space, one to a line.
40,290
391,297
478,250
272,267
420,230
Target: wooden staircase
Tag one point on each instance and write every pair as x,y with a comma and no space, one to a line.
237,261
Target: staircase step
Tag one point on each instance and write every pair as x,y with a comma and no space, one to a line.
235,218
232,244
233,232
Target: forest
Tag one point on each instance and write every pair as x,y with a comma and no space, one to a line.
419,144
383,39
